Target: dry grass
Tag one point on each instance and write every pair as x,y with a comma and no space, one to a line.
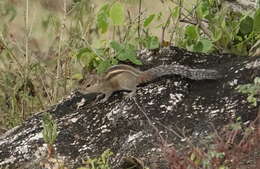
38,44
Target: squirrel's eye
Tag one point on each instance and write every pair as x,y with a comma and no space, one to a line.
88,85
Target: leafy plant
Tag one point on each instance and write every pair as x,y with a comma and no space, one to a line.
253,91
194,42
49,132
217,27
101,162
125,52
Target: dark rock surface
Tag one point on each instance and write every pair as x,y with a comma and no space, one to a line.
171,103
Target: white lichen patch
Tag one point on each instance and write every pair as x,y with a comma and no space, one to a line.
233,82
115,111
68,116
177,83
9,160
151,102
103,127
74,120
175,98
253,65
167,108
85,147
41,151
136,117
214,113
37,136
160,89
132,138
105,130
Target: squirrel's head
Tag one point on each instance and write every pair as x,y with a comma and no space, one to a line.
89,81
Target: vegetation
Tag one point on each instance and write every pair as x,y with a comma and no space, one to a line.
49,133
253,91
43,51
101,162
235,146
46,44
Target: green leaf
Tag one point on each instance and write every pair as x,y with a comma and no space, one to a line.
191,32
217,34
10,9
82,52
102,18
207,45
198,47
152,42
103,66
77,76
256,26
126,52
148,20
176,12
246,25
87,57
202,10
116,46
159,16
117,13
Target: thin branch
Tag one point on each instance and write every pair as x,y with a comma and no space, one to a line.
129,25
165,26
27,59
177,21
59,68
119,34
150,122
11,54
139,21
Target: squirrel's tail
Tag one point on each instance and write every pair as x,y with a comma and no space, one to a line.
184,71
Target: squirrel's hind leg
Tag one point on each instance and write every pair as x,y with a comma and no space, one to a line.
131,94
107,95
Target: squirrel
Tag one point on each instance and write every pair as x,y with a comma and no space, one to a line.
125,77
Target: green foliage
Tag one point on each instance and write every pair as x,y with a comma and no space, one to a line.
102,18
256,24
100,58
253,91
101,162
125,52
219,28
49,129
194,42
151,42
7,10
117,13
246,25
91,58
108,13
61,44
148,20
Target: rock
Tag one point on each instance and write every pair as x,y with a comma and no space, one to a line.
131,128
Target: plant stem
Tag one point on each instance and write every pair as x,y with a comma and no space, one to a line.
27,59
139,22
59,66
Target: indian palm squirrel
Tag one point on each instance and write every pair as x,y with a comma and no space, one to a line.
125,77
